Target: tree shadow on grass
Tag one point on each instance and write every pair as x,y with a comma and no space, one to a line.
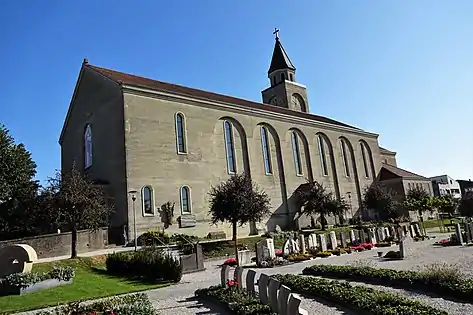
128,279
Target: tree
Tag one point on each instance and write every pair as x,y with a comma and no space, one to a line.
419,200
238,201
417,193
466,205
446,204
378,198
314,199
77,204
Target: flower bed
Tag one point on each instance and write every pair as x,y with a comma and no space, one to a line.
135,304
237,300
150,263
427,282
362,298
297,257
362,247
20,283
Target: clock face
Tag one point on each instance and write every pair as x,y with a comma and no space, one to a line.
276,101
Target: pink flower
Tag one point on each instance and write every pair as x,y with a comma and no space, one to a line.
278,252
230,262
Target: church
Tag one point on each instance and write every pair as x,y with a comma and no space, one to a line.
148,142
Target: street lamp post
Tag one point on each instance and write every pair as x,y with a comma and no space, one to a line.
133,197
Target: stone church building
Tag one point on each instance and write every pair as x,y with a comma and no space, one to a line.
172,143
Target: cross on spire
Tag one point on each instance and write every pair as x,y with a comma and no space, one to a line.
276,32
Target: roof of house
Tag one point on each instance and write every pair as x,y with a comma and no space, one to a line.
130,79
402,172
280,59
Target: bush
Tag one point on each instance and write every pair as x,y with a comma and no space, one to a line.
182,239
135,304
441,279
237,300
150,263
373,301
153,238
296,257
323,254
338,251
383,244
23,280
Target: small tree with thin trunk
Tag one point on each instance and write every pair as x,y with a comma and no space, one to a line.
238,201
78,204
446,204
314,199
419,200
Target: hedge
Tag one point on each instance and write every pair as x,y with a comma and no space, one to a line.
237,300
23,280
358,298
135,304
150,263
406,279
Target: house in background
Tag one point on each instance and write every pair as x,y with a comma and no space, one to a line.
445,185
466,186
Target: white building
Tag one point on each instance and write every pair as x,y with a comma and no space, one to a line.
445,185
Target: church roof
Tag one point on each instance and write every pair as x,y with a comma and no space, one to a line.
130,79
399,172
280,59
383,150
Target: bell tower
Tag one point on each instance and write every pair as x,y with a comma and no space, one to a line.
283,90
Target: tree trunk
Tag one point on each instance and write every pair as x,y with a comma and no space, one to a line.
235,240
74,243
322,222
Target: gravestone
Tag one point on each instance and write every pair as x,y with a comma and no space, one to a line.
290,246
467,233
352,237
458,232
263,282
412,232
417,230
283,298
333,240
343,239
265,250
18,258
405,246
372,237
224,275
244,257
273,288
382,234
238,276
387,233
323,242
470,224
312,241
294,305
393,232
363,237
250,281
302,243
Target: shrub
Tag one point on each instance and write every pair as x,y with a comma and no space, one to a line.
338,251
135,304
323,254
237,300
296,257
23,280
153,238
180,238
383,244
150,263
441,279
365,298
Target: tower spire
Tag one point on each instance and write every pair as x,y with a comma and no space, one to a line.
280,59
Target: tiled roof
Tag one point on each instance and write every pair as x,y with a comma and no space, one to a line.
138,81
402,172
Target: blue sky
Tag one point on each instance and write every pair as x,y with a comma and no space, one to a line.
402,69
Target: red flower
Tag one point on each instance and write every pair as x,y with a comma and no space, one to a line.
278,252
230,262
232,283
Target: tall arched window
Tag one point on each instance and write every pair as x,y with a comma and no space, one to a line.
343,151
365,161
185,200
266,152
229,147
87,147
296,153
180,134
148,202
323,157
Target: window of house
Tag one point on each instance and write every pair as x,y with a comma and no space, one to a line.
185,200
365,162
229,147
296,153
266,152
409,186
343,150
180,134
323,157
87,147
148,202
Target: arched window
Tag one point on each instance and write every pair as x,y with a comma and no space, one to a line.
229,147
343,151
266,152
291,77
148,202
180,134
365,161
409,186
185,200
323,157
296,153
283,77
87,147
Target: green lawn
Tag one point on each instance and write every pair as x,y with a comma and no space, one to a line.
90,282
